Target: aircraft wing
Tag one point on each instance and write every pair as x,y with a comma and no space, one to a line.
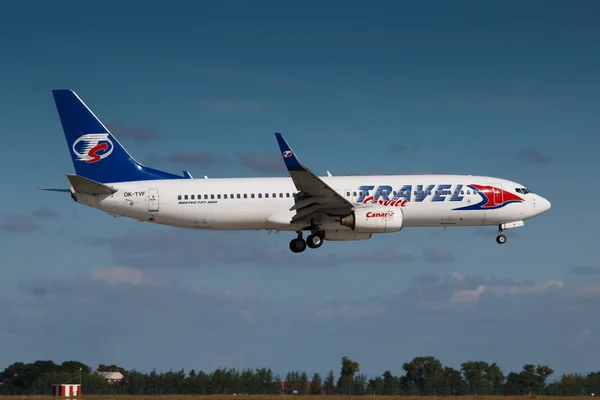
315,197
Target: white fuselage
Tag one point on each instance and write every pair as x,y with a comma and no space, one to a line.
264,203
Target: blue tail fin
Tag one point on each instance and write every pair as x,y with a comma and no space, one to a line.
96,153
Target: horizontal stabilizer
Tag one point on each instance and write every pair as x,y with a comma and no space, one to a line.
88,186
56,190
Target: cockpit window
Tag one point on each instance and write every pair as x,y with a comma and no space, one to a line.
522,190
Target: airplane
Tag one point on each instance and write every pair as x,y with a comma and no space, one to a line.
328,208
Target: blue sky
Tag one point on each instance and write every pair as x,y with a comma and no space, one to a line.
507,90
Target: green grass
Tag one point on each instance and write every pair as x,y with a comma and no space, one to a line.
273,396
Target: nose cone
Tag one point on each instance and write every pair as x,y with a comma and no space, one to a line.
543,205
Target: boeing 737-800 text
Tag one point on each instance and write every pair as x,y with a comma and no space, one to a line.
329,207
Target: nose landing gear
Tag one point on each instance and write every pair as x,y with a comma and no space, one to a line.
501,238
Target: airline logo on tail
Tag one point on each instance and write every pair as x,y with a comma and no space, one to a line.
93,147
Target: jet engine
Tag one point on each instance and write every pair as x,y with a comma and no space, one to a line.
374,219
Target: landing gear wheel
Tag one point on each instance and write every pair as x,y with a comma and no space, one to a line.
314,241
298,245
501,239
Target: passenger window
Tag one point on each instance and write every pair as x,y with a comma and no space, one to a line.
462,192
224,196
179,197
266,195
287,195
252,195
260,195
347,194
185,197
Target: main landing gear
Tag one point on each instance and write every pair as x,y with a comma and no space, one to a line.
500,239
314,241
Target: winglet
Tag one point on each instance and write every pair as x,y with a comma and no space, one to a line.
289,158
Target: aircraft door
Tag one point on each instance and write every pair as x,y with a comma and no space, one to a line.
496,196
152,200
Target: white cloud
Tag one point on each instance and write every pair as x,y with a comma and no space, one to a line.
467,295
142,320
124,275
459,275
180,248
507,290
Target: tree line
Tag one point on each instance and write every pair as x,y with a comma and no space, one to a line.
421,376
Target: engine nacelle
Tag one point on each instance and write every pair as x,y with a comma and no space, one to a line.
374,219
345,234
